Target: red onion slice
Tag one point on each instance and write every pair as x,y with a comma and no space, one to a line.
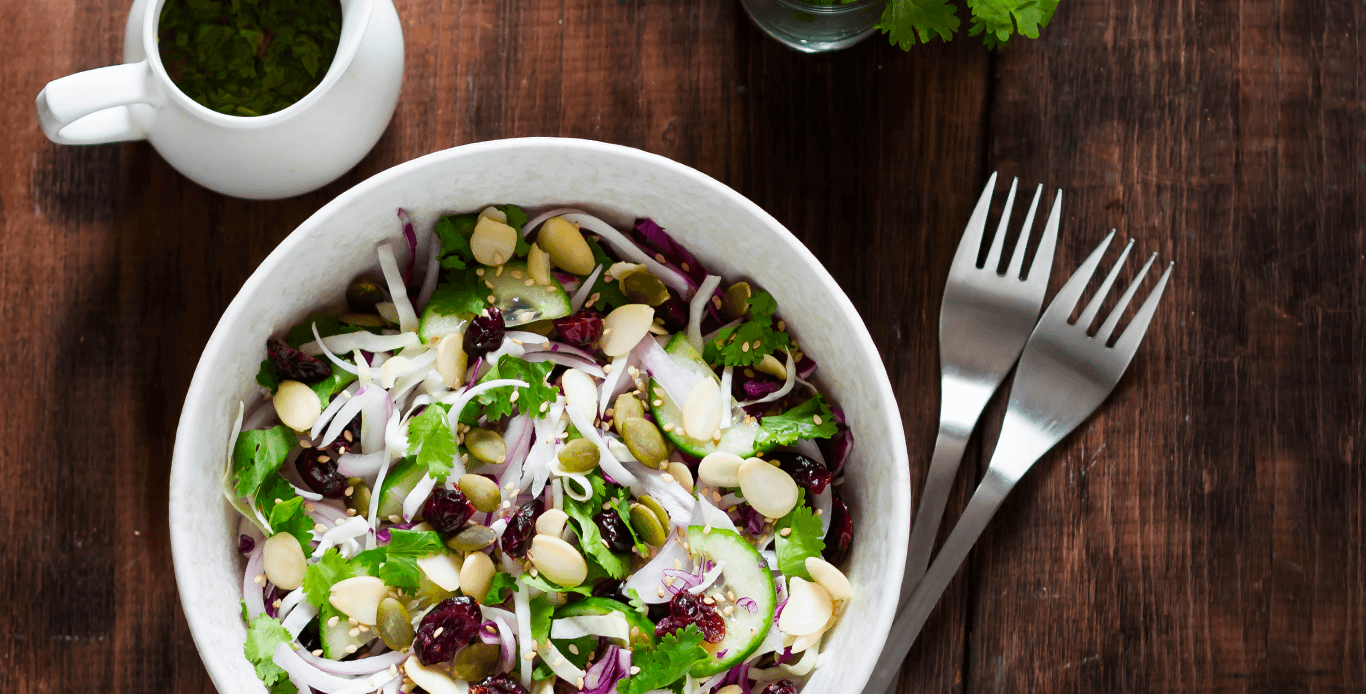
252,592
569,360
364,666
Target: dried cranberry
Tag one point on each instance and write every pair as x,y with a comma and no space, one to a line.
608,588
293,365
521,526
841,534
485,333
614,531
685,609
674,314
245,544
498,683
450,626
318,468
808,473
581,329
780,687
446,510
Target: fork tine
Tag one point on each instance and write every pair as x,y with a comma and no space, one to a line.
1042,264
1103,335
1066,300
1127,343
966,255
1088,315
1017,258
994,255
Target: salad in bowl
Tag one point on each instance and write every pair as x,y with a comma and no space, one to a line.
554,457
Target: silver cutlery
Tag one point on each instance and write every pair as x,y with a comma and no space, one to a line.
984,322
1063,376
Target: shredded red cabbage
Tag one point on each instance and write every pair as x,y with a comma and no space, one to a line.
836,448
410,236
245,544
748,603
806,367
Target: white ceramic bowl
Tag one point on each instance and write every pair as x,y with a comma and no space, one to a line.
730,234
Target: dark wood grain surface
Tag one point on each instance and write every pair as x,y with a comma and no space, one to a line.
1204,532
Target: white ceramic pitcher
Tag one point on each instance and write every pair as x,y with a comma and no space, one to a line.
286,153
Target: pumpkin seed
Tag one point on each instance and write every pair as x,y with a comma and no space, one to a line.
564,243
645,442
481,491
626,407
646,524
720,469
364,296
830,578
649,502
771,366
492,242
486,446
735,302
476,575
767,488
358,597
395,625
431,679
551,522
702,409
359,499
808,608
284,561
538,265
579,455
558,560
451,361
644,288
476,661
624,327
364,320
297,405
681,474
472,539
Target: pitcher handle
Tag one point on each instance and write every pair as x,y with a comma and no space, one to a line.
84,108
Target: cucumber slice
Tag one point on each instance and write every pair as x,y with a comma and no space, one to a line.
746,574
589,606
397,483
521,304
737,439
435,323
337,637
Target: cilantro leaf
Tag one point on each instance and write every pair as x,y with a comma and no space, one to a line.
264,634
905,21
796,424
284,686
541,610
590,537
666,663
501,588
998,20
268,376
431,436
498,402
803,538
517,219
414,543
454,232
283,509
330,386
636,603
320,577
327,327
257,455
540,582
459,294
748,343
397,570
609,294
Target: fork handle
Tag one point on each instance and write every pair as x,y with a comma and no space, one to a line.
948,454
988,497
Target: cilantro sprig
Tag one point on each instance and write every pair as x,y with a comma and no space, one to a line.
666,663
748,343
798,536
907,22
430,435
809,420
590,537
264,634
498,402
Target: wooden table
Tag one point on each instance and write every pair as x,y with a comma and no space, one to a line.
1202,533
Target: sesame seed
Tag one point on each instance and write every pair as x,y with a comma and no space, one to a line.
529,282
435,634
785,532
816,418
354,632
276,604
708,600
492,298
744,347
529,655
507,504
317,652
545,406
349,491
635,670
479,272
716,496
352,620
658,403
667,477
574,649
499,271
580,683
669,426
260,579
660,591
497,258
668,580
488,284
320,528
820,511
339,521
395,518
352,648
333,622
730,594
706,529
516,393
559,662
305,443
607,368
678,565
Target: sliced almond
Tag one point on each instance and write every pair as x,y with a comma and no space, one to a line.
771,366
297,405
451,361
358,597
682,475
830,578
767,488
476,575
622,268
801,643
628,324
431,679
720,469
580,392
702,409
538,265
494,213
808,608
393,368
442,569
283,558
492,242
566,246
551,522
558,560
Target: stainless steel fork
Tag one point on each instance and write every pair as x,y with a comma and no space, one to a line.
983,324
1063,376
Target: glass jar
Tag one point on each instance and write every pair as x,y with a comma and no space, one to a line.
812,28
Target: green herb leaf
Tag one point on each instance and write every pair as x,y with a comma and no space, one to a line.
498,402
540,582
264,634
796,424
320,577
327,388
268,376
284,686
397,570
454,232
258,455
666,663
283,509
590,537
748,343
802,541
609,294
905,21
459,294
517,219
541,609
998,20
414,543
501,588
430,435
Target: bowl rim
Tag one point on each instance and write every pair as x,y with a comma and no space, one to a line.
183,541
